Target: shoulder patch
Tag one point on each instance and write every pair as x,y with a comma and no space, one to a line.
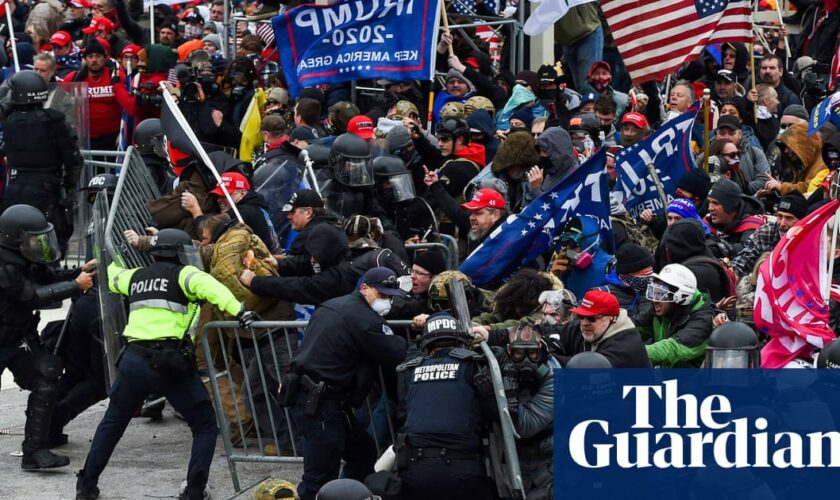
387,329
411,363
461,353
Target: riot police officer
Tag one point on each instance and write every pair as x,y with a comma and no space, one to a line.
348,188
344,345
446,398
159,357
148,140
395,192
42,156
28,248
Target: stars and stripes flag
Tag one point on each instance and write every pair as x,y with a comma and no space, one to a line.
467,7
655,37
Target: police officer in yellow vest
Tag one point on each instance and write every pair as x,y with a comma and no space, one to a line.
163,301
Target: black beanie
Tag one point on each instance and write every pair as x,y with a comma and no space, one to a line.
431,261
94,47
695,182
728,194
631,258
794,203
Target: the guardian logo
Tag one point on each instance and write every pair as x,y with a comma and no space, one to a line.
687,432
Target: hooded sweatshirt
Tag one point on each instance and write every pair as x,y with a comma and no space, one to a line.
684,240
557,143
481,120
808,149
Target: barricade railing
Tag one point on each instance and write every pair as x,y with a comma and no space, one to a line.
244,373
412,248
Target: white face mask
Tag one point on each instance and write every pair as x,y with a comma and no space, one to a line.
381,306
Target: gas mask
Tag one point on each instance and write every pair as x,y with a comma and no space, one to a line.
526,362
580,260
381,306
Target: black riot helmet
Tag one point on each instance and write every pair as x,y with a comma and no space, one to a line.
453,128
588,359
733,345
350,161
829,357
344,489
25,229
101,182
28,88
441,326
174,245
148,138
393,181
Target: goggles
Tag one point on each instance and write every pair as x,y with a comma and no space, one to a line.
659,292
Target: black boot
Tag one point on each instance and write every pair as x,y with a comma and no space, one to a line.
36,453
84,491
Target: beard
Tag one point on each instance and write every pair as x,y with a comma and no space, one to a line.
476,234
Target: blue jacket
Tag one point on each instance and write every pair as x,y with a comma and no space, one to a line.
579,281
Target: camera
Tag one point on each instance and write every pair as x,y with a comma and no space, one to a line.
147,94
814,80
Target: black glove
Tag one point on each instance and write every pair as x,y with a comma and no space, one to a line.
246,317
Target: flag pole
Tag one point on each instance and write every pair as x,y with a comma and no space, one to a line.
430,115
12,36
827,296
152,21
445,18
782,23
188,131
752,76
707,98
651,168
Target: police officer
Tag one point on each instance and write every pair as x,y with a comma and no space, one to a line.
445,399
148,140
41,153
345,343
28,248
163,299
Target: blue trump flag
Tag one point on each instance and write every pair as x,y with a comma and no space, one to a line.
827,111
669,149
526,235
353,40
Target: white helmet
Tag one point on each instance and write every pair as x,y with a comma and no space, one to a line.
674,283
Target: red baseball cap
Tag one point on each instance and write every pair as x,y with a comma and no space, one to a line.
131,49
636,119
597,303
599,64
232,182
80,4
99,24
61,38
485,198
362,126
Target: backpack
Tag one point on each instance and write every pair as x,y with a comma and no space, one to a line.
726,274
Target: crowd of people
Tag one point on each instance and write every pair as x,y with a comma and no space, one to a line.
359,206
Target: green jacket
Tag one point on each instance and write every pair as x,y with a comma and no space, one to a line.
154,323
580,21
679,340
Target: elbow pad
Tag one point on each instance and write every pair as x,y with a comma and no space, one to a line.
56,291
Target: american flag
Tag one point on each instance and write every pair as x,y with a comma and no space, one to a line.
467,7
655,37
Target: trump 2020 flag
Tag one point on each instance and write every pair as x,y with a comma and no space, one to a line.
526,235
669,149
354,40
790,293
827,111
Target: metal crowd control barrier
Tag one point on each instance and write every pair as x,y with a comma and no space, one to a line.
244,376
447,253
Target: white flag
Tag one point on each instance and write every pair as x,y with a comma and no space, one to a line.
548,12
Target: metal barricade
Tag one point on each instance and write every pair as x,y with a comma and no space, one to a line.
447,253
244,374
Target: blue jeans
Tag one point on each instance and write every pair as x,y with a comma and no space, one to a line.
329,436
187,395
583,54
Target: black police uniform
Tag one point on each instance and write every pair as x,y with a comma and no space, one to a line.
343,346
439,452
24,287
42,158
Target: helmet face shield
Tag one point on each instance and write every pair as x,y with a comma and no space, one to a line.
659,292
353,172
40,247
399,188
732,358
188,255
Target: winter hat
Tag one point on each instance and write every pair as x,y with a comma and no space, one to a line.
695,182
796,110
524,114
728,193
94,46
397,139
460,76
216,40
794,203
529,77
432,261
684,208
631,258
517,150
